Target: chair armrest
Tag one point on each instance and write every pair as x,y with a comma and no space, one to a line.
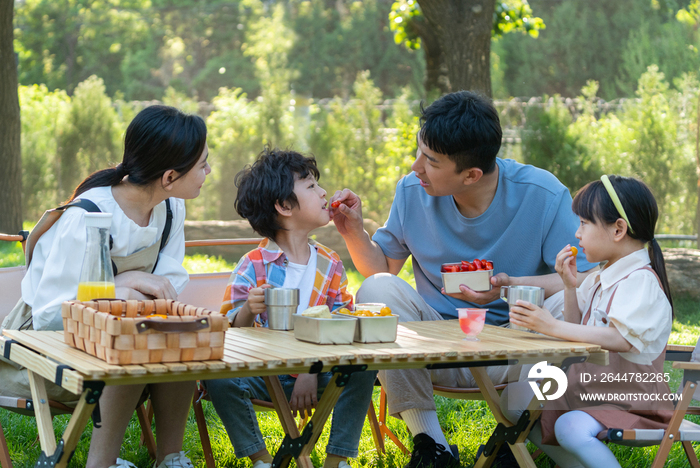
687,365
679,352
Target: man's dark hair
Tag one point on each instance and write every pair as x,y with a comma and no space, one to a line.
268,181
464,126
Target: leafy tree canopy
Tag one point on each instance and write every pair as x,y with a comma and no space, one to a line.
509,16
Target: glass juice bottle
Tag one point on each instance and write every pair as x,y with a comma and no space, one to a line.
96,277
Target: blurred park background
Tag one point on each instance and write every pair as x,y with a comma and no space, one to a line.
584,87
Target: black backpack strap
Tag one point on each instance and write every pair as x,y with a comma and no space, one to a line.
166,230
83,203
168,224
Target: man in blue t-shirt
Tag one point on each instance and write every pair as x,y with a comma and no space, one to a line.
460,203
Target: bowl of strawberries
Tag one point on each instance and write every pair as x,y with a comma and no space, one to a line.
475,275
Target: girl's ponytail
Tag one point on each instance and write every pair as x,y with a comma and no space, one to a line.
659,266
103,178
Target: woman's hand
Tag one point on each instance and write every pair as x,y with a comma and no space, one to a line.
304,394
147,284
566,267
256,300
528,315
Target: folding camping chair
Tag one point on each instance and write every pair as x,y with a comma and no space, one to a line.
679,429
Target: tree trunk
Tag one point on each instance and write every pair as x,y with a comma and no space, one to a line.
435,69
697,169
463,29
10,153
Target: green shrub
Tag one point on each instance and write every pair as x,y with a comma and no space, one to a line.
88,142
44,113
550,143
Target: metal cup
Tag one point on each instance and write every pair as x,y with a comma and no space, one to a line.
512,294
281,306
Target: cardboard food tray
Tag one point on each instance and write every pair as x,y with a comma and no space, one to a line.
121,332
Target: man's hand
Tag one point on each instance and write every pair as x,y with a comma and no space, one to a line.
304,394
150,285
484,297
256,300
346,212
528,315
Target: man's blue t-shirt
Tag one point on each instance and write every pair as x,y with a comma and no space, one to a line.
528,222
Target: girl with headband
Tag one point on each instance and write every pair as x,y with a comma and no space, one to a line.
626,309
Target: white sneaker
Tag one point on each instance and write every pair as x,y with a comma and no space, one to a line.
261,464
176,460
123,464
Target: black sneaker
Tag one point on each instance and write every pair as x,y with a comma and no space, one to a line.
429,454
504,457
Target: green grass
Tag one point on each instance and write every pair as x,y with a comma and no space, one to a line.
466,423
11,254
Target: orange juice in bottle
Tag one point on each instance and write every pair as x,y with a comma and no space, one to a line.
96,277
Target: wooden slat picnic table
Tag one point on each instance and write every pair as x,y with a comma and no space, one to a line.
265,352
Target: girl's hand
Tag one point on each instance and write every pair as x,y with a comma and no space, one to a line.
149,285
566,267
526,314
256,300
304,395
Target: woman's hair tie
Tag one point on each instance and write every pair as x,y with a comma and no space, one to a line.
122,170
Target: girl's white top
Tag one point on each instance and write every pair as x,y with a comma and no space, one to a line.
640,310
54,273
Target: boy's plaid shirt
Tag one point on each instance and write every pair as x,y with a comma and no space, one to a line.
267,264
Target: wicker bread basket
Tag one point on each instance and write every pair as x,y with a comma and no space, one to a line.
141,332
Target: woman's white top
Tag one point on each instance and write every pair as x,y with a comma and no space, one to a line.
54,273
640,310
302,277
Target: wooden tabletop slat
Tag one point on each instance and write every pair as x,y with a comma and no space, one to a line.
175,366
215,365
155,368
307,354
250,350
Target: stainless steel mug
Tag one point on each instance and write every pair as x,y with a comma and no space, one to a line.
281,305
512,294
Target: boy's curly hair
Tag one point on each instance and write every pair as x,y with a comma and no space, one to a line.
268,181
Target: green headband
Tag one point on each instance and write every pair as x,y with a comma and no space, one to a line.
616,200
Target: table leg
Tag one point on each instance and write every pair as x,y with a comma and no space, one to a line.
514,434
300,447
282,408
42,412
490,394
53,454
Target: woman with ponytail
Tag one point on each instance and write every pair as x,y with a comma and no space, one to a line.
626,308
164,163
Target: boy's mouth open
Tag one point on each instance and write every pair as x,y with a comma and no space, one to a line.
423,183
